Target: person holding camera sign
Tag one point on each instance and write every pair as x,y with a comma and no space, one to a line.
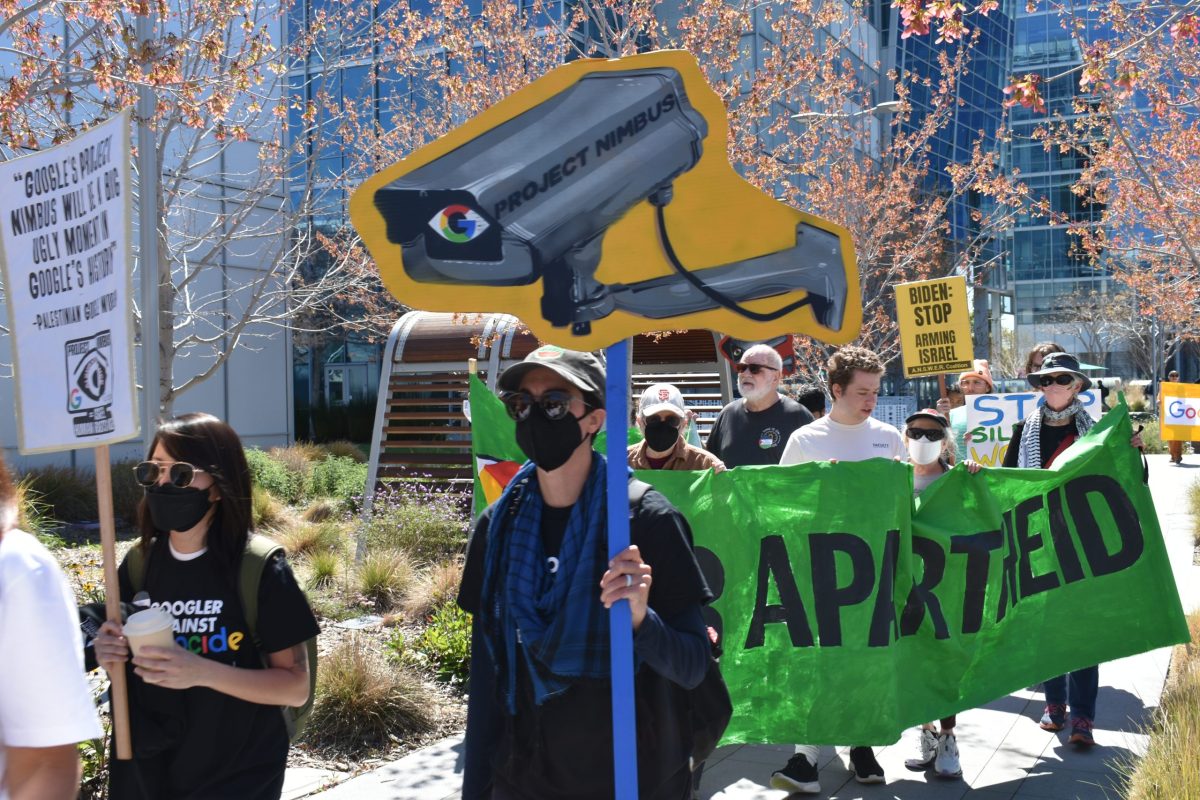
538,581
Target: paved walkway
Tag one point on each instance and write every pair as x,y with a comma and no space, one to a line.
1005,755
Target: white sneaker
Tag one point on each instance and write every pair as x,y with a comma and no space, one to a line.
946,763
927,748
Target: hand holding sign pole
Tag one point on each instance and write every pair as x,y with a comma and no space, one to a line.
596,204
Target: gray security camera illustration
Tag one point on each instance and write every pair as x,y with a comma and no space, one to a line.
532,198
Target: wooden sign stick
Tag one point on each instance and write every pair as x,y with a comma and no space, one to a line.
112,599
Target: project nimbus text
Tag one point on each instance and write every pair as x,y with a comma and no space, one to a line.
844,572
585,156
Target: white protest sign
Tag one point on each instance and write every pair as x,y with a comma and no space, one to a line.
991,417
64,258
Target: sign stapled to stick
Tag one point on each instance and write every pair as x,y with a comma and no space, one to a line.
935,327
601,198
66,266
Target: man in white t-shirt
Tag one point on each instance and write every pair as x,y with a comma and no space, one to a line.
847,433
45,705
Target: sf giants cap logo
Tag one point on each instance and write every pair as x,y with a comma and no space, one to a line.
664,395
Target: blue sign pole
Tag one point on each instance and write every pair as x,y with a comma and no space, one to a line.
620,621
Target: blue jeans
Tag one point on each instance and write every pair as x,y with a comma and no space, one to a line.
1083,685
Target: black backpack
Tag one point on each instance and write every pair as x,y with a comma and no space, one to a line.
709,705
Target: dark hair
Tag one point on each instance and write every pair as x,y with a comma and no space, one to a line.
1042,349
811,397
208,443
8,497
845,361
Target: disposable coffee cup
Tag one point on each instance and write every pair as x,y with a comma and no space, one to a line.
154,627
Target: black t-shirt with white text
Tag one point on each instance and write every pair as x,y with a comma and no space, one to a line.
195,744
741,437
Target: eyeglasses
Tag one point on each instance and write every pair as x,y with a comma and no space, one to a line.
754,368
671,420
925,433
1062,379
555,404
179,473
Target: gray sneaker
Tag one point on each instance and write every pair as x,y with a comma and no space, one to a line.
946,763
927,748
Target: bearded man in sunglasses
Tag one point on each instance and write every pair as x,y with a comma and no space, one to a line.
754,429
538,581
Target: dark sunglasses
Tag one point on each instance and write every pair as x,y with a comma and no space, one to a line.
1062,379
754,368
554,404
671,420
925,433
180,473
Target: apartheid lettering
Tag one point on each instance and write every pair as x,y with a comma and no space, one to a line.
1037,523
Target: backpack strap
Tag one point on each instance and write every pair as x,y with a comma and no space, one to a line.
259,550
135,566
637,490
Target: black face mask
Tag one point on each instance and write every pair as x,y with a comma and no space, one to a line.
549,443
175,509
661,435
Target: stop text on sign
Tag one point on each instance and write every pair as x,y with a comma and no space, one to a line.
934,326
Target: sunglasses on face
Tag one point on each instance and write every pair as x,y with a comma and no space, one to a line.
179,473
933,435
1062,379
554,404
666,419
754,368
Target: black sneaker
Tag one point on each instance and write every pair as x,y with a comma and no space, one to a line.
866,768
800,775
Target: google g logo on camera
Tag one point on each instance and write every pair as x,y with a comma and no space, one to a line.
458,224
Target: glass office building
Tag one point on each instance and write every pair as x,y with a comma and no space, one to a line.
1047,267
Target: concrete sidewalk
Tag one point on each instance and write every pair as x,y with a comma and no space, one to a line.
1005,755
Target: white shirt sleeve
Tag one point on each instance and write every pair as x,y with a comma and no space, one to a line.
44,695
793,452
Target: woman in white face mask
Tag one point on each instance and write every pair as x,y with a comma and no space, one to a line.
931,452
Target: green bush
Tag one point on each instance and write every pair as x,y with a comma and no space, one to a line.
340,478
363,703
127,492
345,449
430,525
383,578
33,515
1150,437
444,646
273,476
323,566
267,510
69,494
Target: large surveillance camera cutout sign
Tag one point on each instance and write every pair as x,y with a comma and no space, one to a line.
601,202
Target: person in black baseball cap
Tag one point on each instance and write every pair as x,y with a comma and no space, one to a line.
538,580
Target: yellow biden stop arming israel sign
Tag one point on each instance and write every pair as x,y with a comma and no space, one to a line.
597,203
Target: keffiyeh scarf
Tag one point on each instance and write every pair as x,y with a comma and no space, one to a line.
552,620
1030,454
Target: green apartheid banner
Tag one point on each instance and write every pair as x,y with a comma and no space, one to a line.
849,612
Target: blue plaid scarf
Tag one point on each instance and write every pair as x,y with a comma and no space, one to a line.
554,621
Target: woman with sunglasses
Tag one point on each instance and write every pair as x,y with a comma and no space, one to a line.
205,714
1036,443
932,453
